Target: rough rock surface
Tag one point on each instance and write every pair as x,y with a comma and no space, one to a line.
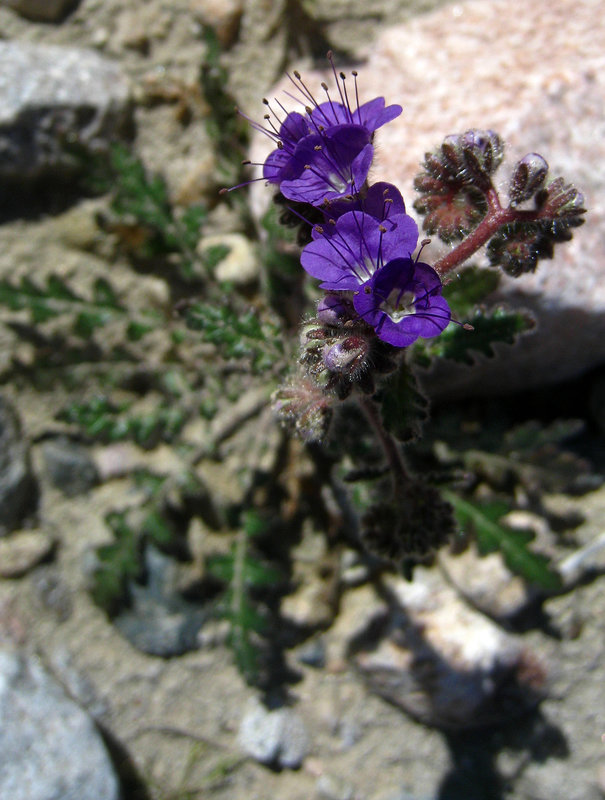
17,483
50,747
43,10
534,73
51,97
441,661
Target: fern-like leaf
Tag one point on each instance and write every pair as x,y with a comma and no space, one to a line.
483,521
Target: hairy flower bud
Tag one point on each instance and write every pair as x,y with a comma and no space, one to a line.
561,201
348,356
527,178
483,152
303,404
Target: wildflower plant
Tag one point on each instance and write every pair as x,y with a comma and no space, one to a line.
384,310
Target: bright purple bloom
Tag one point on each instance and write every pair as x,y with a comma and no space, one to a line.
325,153
371,116
402,301
381,201
358,245
321,167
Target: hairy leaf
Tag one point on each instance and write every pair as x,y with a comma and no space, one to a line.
483,521
459,344
403,407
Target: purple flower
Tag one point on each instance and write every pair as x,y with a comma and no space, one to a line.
371,116
402,301
381,201
358,246
323,166
326,153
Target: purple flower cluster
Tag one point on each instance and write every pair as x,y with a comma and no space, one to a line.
363,251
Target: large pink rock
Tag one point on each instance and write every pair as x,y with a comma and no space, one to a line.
534,72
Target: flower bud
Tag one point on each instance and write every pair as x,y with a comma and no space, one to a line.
483,153
560,200
348,356
527,178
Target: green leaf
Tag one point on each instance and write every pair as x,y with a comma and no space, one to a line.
403,407
118,563
469,287
58,289
483,520
158,529
104,295
221,567
489,327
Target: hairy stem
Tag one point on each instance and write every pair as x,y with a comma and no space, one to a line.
495,218
390,447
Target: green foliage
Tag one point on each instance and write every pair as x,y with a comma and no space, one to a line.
488,327
403,407
239,335
118,563
100,418
245,573
228,131
484,522
469,287
146,222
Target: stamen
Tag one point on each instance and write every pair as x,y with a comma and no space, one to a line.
354,74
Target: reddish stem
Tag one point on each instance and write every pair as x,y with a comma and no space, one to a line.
495,218
389,446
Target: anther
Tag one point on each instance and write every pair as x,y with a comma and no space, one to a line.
265,101
296,74
324,86
319,229
317,147
382,229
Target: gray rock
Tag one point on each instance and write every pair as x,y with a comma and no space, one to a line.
159,621
41,10
51,98
69,465
18,489
273,737
50,746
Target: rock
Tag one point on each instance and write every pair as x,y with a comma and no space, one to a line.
238,265
51,98
69,465
330,788
221,15
21,551
18,488
486,582
273,737
444,663
50,746
41,10
160,622
534,74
